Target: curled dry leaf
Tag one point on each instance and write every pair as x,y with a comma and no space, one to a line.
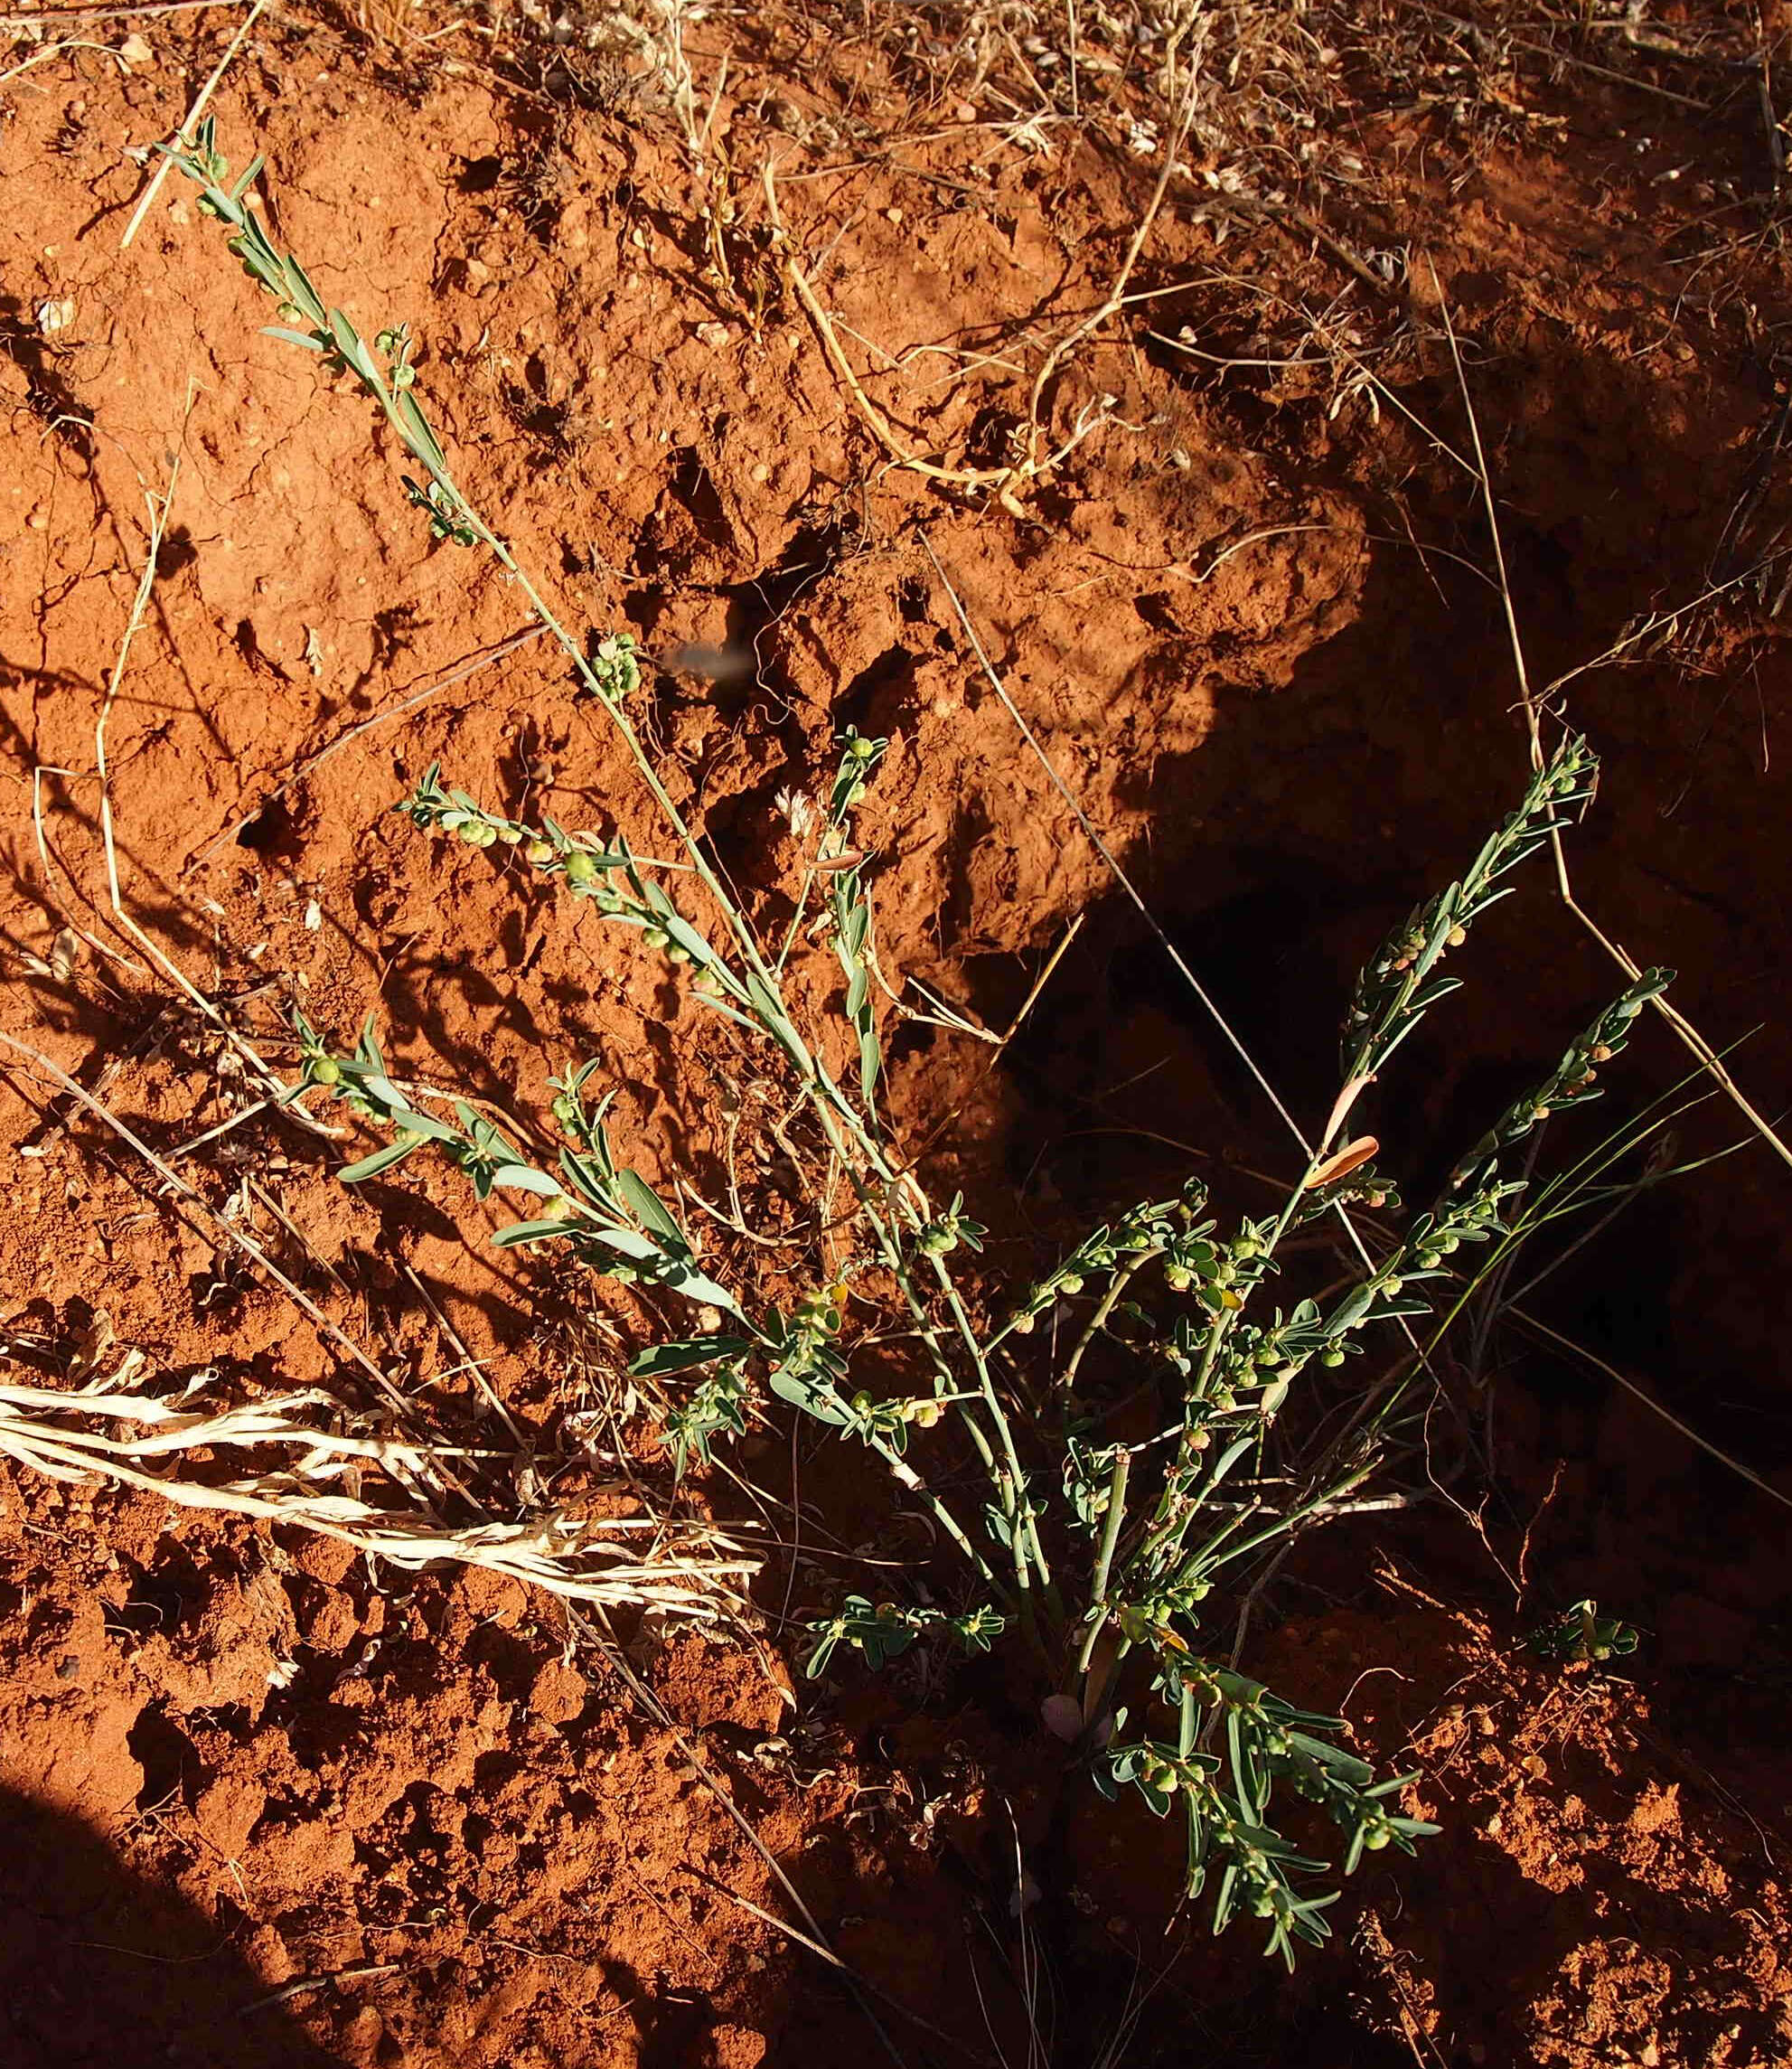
1342,1161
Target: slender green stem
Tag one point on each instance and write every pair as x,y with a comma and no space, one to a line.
1122,1278
1018,1508
836,1112
1098,1589
907,1477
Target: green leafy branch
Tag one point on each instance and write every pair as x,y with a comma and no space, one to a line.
882,1632
1399,981
1168,1517
1268,1741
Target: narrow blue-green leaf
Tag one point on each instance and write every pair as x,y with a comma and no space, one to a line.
517,1232
307,297
381,1160
665,1358
300,338
423,440
1345,1765
525,1177
772,1018
804,1394
652,1209
1227,1459
425,1124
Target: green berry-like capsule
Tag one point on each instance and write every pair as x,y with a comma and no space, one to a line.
540,852
1334,1357
581,867
861,748
325,1070
655,937
676,952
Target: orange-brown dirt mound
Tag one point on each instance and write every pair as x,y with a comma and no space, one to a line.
265,1800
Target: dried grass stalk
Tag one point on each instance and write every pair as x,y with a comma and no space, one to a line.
685,1571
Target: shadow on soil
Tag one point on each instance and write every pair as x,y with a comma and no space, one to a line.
99,1968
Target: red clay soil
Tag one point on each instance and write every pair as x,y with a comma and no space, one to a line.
265,1801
